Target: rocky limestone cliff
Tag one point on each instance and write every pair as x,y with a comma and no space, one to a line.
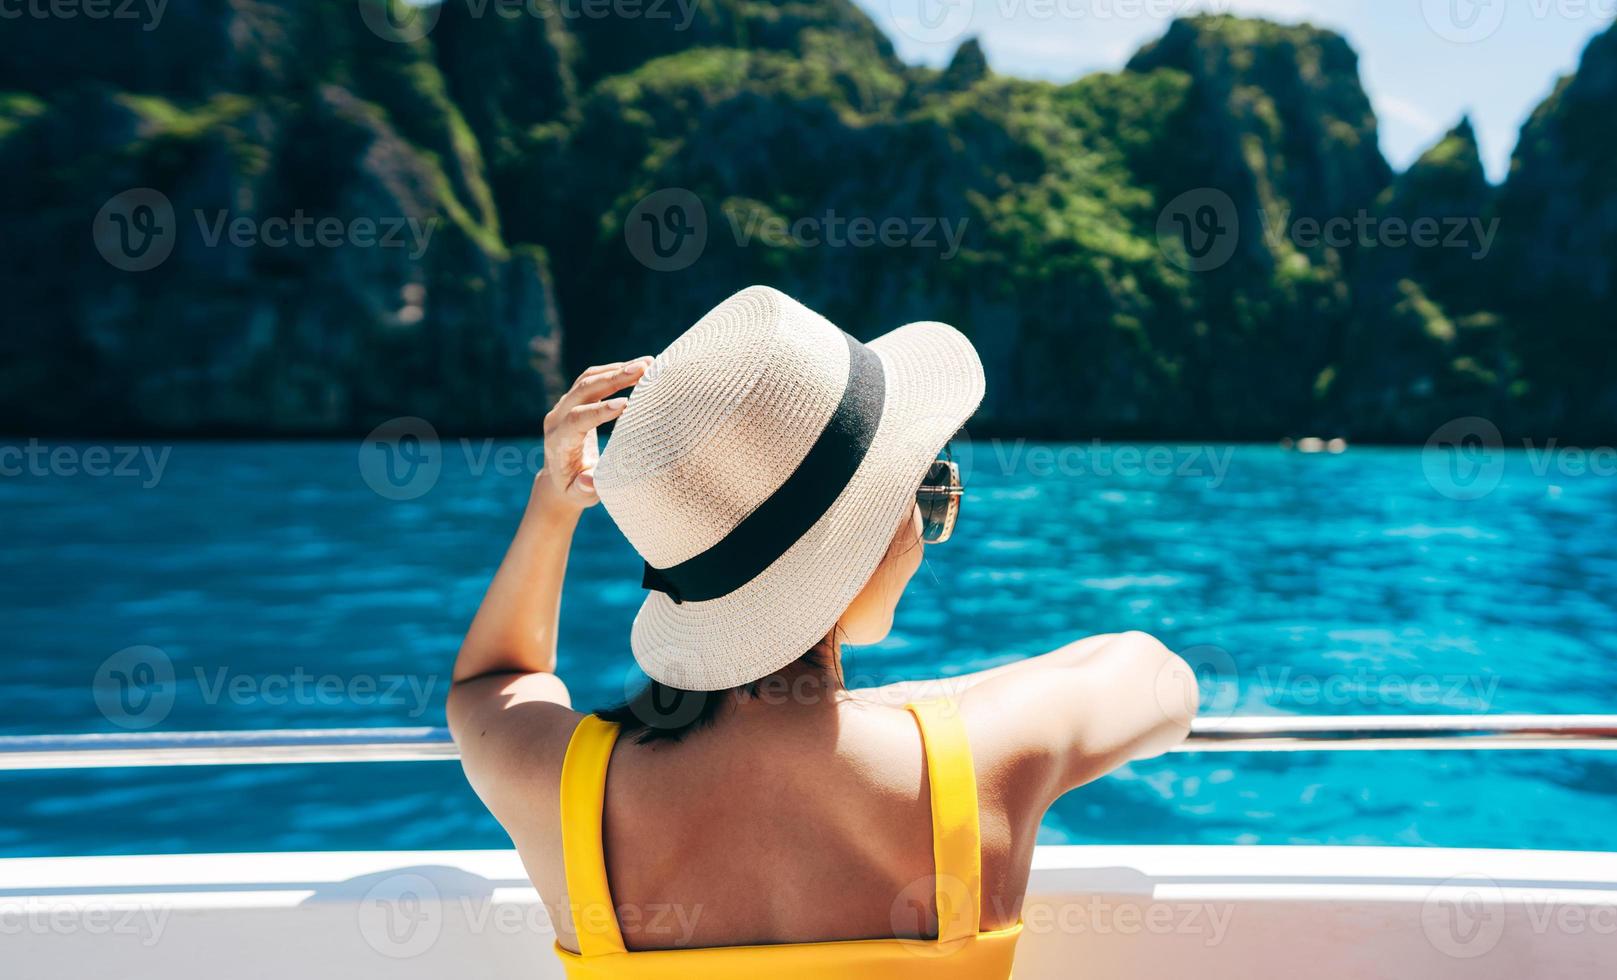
1554,274
1422,344
1135,253
258,321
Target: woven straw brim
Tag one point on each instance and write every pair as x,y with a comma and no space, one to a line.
934,383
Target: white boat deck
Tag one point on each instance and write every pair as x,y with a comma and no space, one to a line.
1093,912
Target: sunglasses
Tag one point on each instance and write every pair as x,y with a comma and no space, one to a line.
939,500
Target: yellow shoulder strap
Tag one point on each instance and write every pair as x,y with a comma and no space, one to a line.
956,840
583,792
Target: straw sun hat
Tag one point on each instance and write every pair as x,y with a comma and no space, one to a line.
761,469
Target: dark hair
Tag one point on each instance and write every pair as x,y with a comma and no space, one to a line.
662,713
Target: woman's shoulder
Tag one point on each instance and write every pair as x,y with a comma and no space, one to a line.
512,731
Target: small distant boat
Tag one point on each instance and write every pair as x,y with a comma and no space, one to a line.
1315,444
1209,912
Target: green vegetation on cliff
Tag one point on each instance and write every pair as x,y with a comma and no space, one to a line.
1207,244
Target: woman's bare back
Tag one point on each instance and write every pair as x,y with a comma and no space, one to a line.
781,825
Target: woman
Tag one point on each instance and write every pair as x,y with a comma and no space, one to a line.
758,818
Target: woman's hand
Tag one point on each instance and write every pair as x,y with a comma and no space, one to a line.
571,444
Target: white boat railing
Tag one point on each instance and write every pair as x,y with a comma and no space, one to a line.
1260,733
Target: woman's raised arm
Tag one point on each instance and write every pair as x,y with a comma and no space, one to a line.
503,705
514,631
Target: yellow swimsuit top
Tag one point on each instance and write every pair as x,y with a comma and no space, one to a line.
959,951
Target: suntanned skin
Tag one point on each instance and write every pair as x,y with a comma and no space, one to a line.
800,815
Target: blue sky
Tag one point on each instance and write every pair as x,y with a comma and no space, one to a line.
1425,63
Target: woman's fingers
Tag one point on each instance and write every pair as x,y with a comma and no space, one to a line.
580,419
583,489
570,442
598,382
599,385
595,369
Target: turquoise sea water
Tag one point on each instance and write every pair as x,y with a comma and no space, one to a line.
306,585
